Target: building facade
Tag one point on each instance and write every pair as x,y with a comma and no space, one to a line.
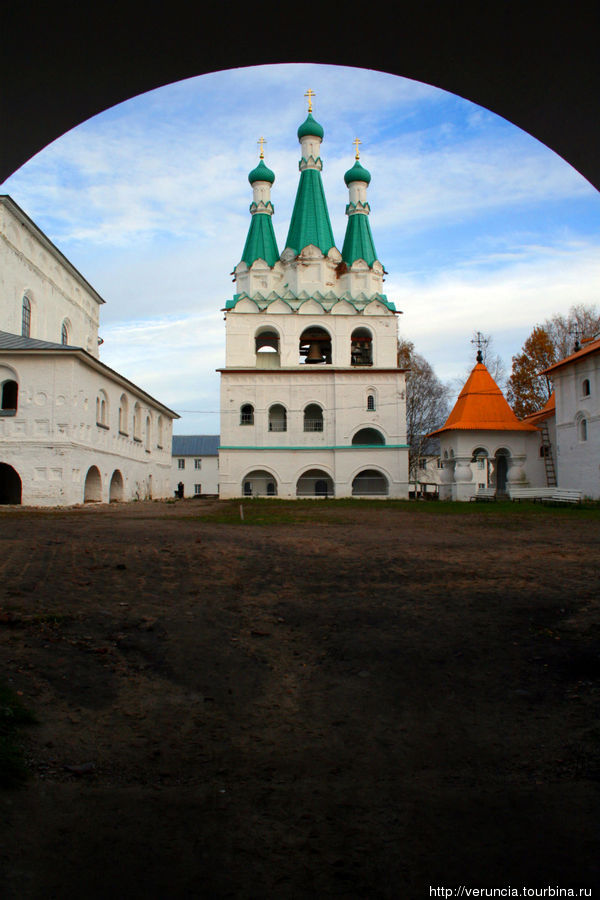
71,428
195,465
312,398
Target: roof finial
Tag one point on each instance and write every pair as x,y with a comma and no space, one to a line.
576,332
481,342
261,141
310,94
356,142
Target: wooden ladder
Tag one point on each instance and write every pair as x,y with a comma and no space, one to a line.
548,458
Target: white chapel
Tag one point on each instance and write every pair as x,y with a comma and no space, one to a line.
312,398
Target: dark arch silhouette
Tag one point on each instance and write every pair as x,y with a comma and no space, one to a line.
537,67
10,485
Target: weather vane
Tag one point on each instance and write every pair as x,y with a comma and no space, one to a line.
261,141
310,94
356,142
481,342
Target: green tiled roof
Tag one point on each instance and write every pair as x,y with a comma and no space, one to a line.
326,301
261,242
358,242
310,219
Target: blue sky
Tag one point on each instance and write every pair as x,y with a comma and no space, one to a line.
479,226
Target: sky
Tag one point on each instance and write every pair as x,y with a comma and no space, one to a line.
479,226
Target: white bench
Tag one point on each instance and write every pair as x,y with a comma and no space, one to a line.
530,493
487,493
561,495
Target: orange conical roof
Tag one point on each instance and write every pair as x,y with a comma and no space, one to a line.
481,406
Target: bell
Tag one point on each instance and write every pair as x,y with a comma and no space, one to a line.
314,354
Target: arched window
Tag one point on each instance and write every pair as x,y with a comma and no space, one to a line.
371,402
9,395
583,430
123,414
137,423
361,347
102,409
247,414
585,387
26,317
64,334
277,418
267,341
159,433
315,346
368,437
148,434
313,417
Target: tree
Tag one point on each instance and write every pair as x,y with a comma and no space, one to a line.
528,389
427,405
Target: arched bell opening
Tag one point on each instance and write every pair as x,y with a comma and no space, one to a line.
10,485
361,347
116,487
259,483
315,483
370,483
92,490
266,347
368,437
315,346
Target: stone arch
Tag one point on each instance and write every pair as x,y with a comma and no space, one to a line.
368,437
315,482
259,483
370,482
115,492
92,489
10,485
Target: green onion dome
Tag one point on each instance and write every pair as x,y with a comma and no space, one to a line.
357,173
261,173
310,127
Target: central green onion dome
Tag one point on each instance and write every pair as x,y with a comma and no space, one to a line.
261,173
310,127
357,173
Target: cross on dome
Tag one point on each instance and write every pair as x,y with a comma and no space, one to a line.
310,94
356,142
261,141
481,342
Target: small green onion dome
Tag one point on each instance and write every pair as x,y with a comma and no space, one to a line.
261,173
310,127
357,173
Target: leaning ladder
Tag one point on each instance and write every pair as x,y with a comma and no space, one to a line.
548,458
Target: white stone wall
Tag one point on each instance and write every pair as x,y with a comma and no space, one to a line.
54,437
30,265
578,460
206,474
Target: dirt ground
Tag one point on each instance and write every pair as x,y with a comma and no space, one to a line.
324,700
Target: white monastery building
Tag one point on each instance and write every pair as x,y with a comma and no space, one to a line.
71,428
312,398
196,464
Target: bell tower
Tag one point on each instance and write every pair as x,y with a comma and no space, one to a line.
312,399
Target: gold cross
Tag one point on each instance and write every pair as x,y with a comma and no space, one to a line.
261,141
356,142
310,94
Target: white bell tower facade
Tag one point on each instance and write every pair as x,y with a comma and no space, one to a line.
312,399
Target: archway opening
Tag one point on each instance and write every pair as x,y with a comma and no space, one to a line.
92,491
501,470
10,485
116,487
368,437
370,483
315,483
259,483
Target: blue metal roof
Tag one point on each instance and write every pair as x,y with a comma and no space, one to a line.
196,444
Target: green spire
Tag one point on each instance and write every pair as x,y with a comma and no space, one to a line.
310,219
261,243
358,242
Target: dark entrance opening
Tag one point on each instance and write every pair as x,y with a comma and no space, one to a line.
10,485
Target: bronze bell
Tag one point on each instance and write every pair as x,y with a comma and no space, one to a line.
314,354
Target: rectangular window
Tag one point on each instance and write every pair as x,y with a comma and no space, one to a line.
197,463
181,463
481,486
197,489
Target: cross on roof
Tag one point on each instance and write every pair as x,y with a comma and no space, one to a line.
481,342
356,142
576,332
261,141
310,94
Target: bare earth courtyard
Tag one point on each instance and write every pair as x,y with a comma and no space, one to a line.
345,699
